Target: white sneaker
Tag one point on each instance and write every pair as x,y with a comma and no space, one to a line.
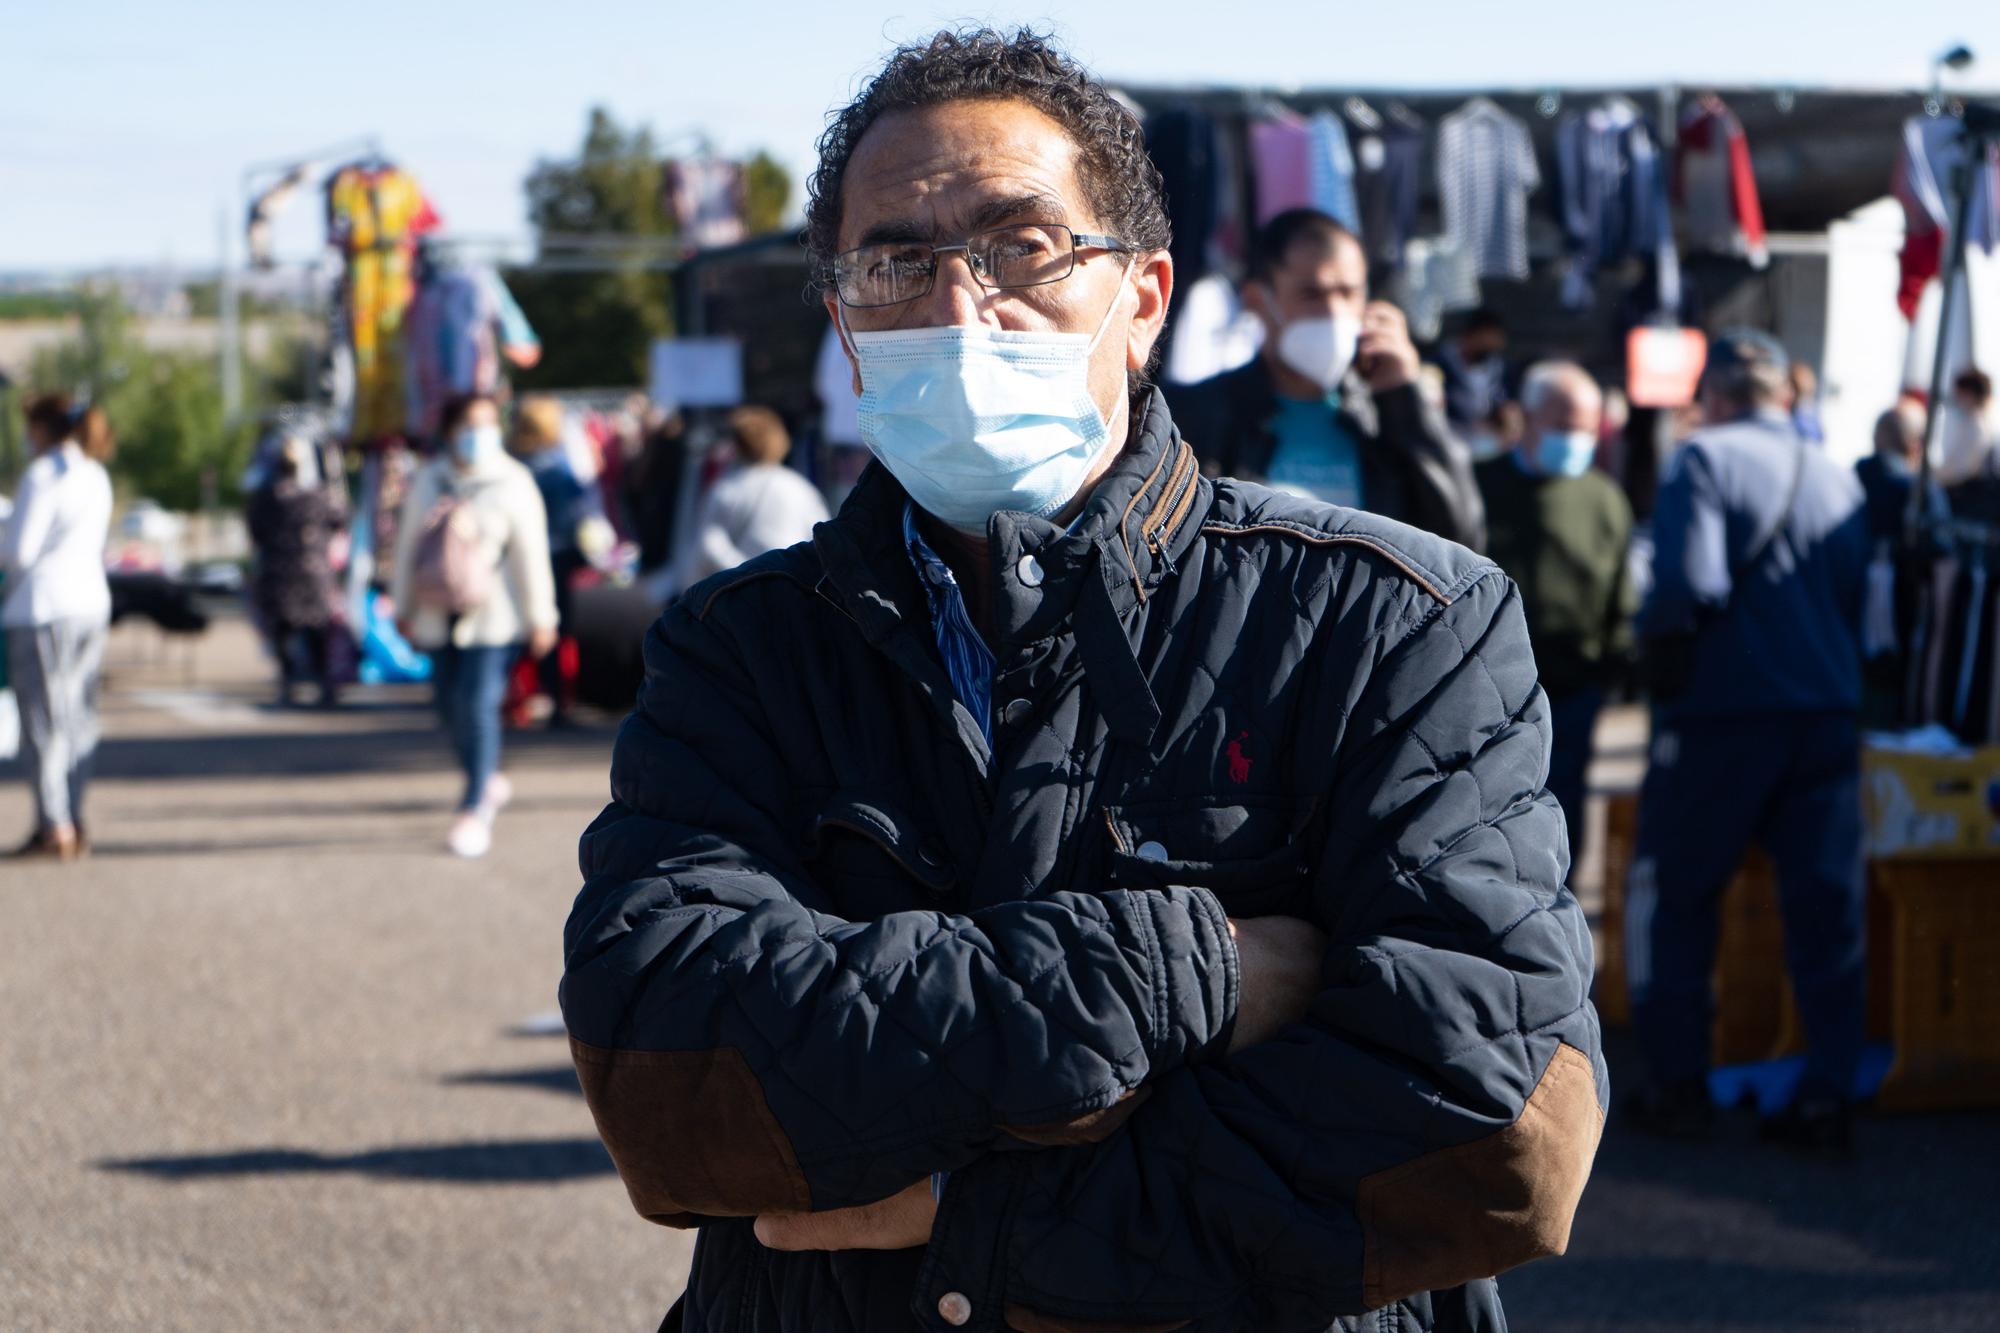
499,791
471,835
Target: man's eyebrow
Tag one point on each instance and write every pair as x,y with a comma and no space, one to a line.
1020,208
1038,207
891,230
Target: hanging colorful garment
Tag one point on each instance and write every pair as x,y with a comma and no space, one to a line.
1927,168
457,327
374,216
1715,184
1281,152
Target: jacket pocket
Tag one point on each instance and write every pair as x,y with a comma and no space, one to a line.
1254,857
858,844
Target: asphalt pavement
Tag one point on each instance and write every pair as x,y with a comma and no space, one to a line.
272,1059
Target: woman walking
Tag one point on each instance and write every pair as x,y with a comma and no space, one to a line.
471,586
56,610
293,518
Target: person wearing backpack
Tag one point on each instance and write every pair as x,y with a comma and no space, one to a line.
472,586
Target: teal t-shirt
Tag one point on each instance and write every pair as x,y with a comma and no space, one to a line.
1315,456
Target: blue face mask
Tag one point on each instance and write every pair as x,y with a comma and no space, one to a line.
973,420
473,445
1565,453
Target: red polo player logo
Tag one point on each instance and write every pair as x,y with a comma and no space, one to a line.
1239,762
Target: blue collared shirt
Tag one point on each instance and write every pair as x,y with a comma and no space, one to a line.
967,659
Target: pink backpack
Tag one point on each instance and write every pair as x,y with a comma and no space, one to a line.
452,572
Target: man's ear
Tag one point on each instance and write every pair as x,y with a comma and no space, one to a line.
1261,301
1154,282
832,300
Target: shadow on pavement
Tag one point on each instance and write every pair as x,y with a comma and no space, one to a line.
1734,1233
555,1078
415,748
505,1161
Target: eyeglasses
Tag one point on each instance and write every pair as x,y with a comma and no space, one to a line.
1029,255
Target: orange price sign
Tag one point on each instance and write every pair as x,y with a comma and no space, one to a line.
1662,366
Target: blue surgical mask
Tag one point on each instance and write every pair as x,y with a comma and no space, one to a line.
473,445
973,420
1565,453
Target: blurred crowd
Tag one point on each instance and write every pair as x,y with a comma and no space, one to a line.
1768,601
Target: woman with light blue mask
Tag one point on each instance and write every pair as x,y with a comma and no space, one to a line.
472,586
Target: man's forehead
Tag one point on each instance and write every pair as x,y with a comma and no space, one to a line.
961,164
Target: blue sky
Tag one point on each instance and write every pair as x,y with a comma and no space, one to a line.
124,126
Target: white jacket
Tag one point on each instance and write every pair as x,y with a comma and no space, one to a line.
52,547
515,532
748,511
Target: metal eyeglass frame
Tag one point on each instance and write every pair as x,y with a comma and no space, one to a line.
1078,240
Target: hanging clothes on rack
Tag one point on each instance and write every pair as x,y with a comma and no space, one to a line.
1927,164
1186,146
1331,170
705,197
1388,162
375,212
460,325
258,236
1716,184
1281,152
1437,277
1612,201
1485,172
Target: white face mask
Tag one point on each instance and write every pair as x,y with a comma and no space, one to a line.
973,420
1320,349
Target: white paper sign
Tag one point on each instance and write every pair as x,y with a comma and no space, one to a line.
697,372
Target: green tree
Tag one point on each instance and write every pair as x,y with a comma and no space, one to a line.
165,407
767,188
596,328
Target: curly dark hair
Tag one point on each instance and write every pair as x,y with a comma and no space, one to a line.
1120,182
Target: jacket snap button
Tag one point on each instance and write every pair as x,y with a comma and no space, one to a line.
1016,712
929,856
1152,851
954,1309
1030,570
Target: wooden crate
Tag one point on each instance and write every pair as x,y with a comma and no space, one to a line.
1942,947
1756,1017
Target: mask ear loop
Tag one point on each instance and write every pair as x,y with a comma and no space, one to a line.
1105,323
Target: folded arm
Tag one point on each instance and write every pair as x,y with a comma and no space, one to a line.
745,1050
1431,1122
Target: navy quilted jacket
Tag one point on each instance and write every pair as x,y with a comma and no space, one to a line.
829,943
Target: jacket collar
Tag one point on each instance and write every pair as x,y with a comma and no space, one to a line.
1255,398
1087,579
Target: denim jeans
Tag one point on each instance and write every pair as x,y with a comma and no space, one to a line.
471,683
1573,722
1791,782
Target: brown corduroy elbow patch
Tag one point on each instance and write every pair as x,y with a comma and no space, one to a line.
691,1133
1480,1208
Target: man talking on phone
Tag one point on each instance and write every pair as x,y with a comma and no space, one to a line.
1069,893
1329,408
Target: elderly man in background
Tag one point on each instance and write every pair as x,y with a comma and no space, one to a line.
1330,408
1070,893
1753,626
1561,529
